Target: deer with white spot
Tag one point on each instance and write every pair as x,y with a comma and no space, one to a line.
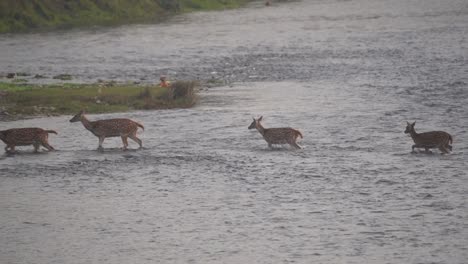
273,136
428,140
117,127
25,137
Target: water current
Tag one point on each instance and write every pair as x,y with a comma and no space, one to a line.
205,189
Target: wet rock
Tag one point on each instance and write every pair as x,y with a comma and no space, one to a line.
4,113
104,83
23,74
39,110
63,77
40,76
19,81
5,116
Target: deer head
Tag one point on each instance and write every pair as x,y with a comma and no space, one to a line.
409,127
255,123
77,117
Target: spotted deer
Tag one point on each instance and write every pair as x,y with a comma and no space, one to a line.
118,127
428,140
25,137
281,135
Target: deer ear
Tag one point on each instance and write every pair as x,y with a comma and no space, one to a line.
260,119
414,123
407,123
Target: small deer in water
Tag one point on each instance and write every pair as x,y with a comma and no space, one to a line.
118,127
25,137
281,135
428,140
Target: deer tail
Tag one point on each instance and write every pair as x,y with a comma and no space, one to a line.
450,139
140,125
52,131
298,133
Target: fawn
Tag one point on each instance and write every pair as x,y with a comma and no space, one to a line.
281,135
25,137
428,140
118,127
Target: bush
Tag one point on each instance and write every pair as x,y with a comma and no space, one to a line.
145,94
183,89
172,5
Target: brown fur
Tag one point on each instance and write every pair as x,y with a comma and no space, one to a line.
118,127
428,140
25,137
281,135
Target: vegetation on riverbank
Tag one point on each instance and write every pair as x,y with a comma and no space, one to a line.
28,15
22,100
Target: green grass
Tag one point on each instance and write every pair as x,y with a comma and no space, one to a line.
190,5
29,99
31,15
63,77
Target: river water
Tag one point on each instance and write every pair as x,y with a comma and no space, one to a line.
205,189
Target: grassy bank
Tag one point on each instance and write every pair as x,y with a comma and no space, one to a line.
21,100
29,15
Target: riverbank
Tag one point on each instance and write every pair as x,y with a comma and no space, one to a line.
19,101
33,15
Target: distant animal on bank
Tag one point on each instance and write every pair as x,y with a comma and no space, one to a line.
428,140
25,137
118,127
164,82
281,135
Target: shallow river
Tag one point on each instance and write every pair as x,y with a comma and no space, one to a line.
205,189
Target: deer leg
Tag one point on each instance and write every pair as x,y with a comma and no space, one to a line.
412,148
11,147
447,145
125,142
47,146
294,144
443,149
101,140
36,147
137,140
270,145
427,150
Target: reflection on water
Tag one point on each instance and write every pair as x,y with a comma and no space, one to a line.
207,190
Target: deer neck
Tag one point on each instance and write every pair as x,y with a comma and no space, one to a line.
86,123
260,129
413,133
